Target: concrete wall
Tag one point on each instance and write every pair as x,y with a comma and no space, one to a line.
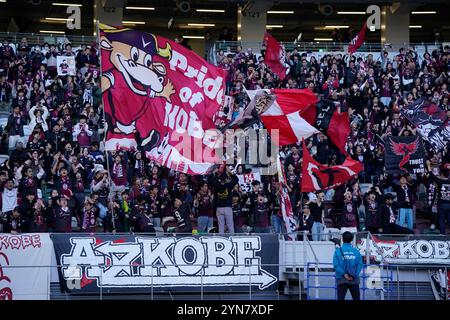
394,27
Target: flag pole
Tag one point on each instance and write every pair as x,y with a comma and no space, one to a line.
104,133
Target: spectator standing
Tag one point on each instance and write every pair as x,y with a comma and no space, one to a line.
82,133
89,217
442,183
14,222
388,214
347,263
372,218
16,122
118,173
203,204
317,208
306,222
223,187
350,217
261,212
405,202
63,217
181,213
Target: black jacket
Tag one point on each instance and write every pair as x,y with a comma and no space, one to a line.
223,190
181,214
385,214
306,224
401,196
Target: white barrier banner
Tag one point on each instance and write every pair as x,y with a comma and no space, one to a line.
24,266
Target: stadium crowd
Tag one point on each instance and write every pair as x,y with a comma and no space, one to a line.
56,175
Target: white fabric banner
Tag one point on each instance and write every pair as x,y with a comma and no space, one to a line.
24,266
245,180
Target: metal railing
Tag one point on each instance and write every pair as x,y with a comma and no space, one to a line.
231,46
41,38
396,281
388,284
248,287
379,285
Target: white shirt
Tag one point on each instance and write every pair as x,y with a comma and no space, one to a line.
9,200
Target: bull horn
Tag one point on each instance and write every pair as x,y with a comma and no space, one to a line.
163,52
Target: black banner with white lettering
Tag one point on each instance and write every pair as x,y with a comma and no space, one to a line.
404,155
144,264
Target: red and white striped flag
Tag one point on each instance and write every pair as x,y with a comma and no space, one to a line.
284,114
286,205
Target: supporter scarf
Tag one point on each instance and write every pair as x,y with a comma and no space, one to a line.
118,170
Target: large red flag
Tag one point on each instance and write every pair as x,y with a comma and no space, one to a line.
161,97
275,56
325,117
358,40
316,176
284,113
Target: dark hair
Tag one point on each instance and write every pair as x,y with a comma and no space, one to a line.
389,196
347,237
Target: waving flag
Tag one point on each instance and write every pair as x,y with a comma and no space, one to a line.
283,114
275,56
358,41
285,204
160,97
316,176
325,117
404,154
431,122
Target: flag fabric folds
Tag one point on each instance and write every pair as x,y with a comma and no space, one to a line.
161,97
275,56
404,154
325,117
285,204
358,40
283,114
431,122
316,176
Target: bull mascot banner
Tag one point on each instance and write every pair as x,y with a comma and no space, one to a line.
160,97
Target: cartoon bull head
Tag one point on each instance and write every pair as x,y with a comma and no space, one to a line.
134,56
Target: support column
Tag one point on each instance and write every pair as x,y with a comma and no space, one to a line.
395,21
109,12
252,20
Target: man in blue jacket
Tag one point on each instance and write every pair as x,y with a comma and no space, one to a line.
348,263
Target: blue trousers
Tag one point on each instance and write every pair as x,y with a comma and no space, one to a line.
317,231
405,215
277,223
204,223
